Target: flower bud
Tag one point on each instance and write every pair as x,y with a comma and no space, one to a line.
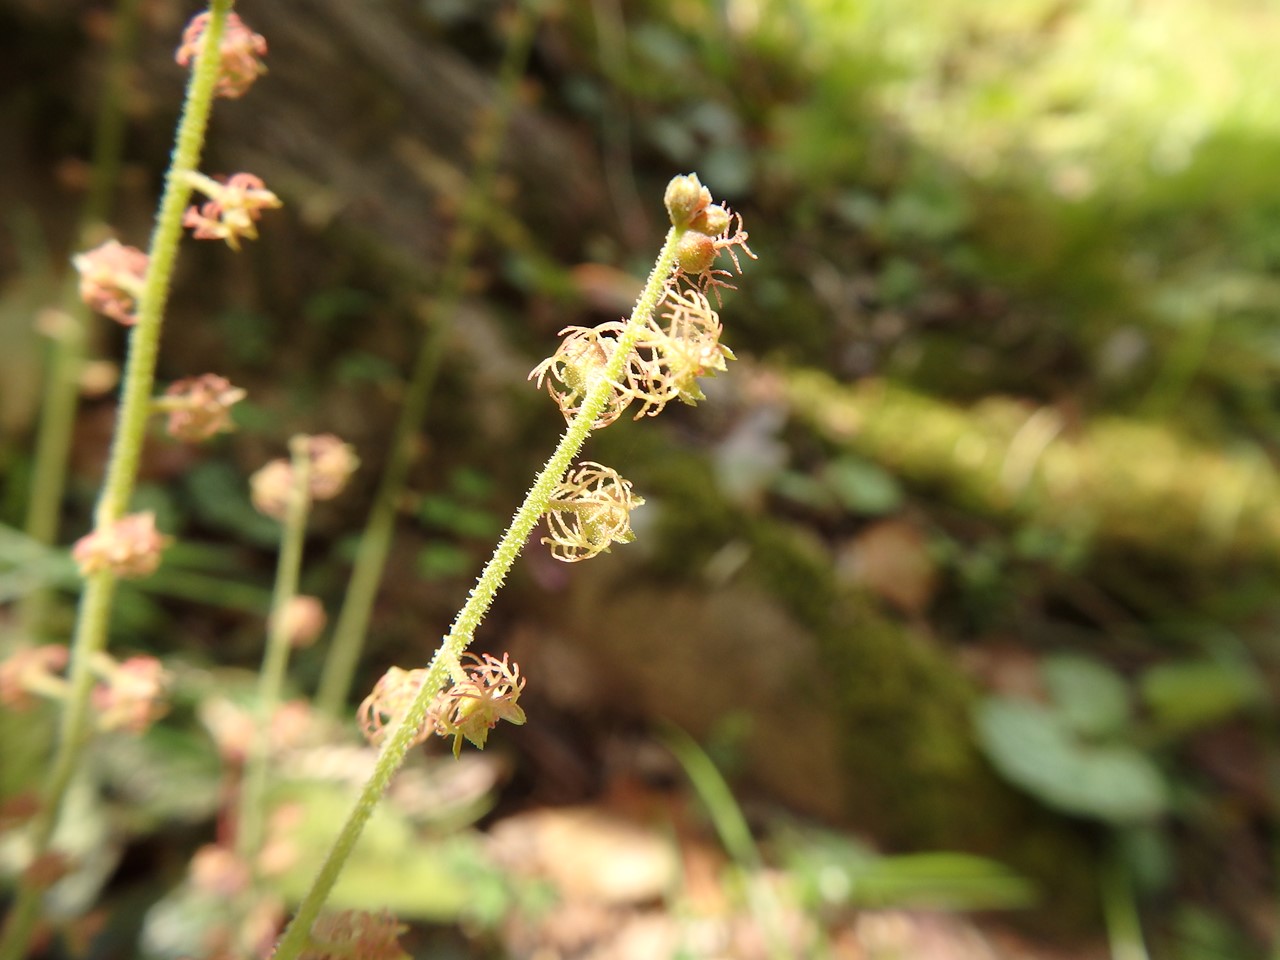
685,196
695,253
129,548
713,220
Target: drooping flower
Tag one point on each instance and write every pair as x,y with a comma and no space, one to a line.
589,510
387,703
199,407
31,670
130,547
232,210
240,54
111,278
472,707
569,373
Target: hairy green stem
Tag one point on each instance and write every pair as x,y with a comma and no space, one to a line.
66,353
405,732
94,613
275,658
375,542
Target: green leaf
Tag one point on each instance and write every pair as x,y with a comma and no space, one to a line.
1034,749
863,487
1189,695
1090,697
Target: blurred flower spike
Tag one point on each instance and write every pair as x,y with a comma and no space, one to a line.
240,52
129,548
199,407
486,691
332,463
132,694
233,209
111,278
589,510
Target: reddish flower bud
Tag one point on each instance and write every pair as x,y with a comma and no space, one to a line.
129,548
111,277
684,198
240,53
199,407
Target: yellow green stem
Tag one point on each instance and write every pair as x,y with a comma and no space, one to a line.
460,635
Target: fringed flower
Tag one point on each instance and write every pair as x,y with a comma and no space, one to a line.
111,278
571,371
472,707
386,704
589,510
240,54
672,354
233,209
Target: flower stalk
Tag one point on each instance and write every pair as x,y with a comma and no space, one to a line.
406,731
375,541
94,611
275,658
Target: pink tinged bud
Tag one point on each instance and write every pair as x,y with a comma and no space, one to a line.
304,619
200,407
233,209
111,278
30,670
129,548
712,221
695,253
269,488
240,54
684,198
332,463
132,697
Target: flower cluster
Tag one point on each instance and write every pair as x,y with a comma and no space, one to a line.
240,54
130,547
132,694
589,510
486,691
677,345
199,407
332,463
111,278
233,209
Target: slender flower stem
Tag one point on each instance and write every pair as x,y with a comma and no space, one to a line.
275,658
375,543
405,733
66,355
94,612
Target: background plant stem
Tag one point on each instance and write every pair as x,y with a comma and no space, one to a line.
275,658
405,733
375,542
94,612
